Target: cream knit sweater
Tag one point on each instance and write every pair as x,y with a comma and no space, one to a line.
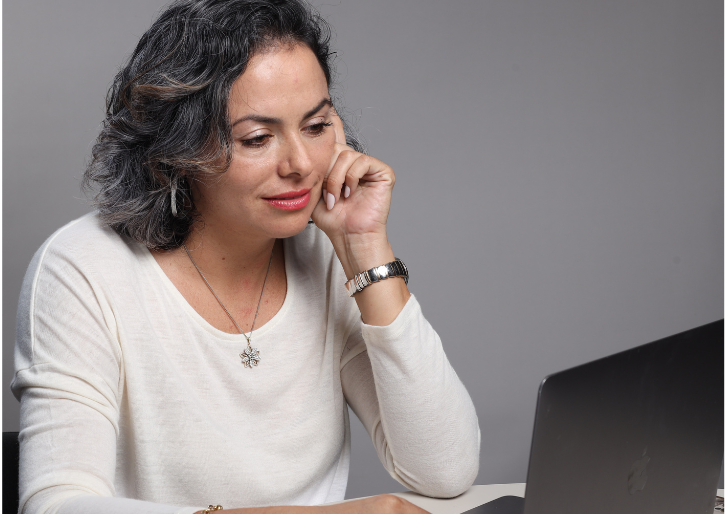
132,403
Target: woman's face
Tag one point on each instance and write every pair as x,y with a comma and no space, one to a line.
281,115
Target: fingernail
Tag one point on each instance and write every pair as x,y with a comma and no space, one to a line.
347,192
330,200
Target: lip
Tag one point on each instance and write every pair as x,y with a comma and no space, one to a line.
290,201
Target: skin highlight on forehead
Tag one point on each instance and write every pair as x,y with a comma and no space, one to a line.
270,86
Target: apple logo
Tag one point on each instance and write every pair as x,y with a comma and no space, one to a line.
637,476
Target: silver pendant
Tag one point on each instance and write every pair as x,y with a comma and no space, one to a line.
250,357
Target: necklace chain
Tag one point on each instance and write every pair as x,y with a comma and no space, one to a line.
251,355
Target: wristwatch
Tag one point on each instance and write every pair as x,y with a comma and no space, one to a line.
393,269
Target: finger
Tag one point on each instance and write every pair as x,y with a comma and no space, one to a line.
338,128
320,207
369,169
324,198
336,180
340,142
357,170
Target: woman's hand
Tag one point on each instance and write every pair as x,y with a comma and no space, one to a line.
382,504
356,194
352,212
353,208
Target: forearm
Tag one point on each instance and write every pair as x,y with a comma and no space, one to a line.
414,406
281,509
381,504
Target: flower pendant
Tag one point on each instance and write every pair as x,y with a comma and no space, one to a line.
250,357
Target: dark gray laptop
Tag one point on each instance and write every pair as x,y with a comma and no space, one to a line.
640,431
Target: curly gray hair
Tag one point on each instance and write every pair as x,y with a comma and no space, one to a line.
167,123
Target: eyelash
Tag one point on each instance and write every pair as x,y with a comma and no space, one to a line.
256,142
260,141
319,128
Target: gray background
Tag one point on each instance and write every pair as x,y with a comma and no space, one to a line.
559,164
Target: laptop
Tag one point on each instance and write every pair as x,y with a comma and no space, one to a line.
640,431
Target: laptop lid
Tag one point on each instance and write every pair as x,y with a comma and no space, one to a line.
639,431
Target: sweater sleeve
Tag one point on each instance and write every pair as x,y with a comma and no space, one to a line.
69,380
420,417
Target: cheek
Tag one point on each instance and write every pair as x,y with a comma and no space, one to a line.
249,172
324,153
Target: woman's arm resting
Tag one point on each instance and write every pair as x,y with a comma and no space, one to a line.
353,212
381,504
418,413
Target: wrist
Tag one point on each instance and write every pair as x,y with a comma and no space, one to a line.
359,253
209,509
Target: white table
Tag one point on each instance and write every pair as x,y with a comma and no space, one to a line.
476,495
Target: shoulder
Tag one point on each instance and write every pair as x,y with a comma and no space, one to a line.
84,250
82,234
65,311
85,242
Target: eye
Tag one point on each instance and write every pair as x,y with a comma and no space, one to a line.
317,129
257,141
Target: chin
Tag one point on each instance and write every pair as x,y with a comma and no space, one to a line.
290,227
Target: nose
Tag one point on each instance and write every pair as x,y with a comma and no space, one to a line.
297,159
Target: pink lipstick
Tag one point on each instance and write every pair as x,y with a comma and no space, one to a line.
290,201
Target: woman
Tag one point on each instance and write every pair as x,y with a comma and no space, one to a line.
192,342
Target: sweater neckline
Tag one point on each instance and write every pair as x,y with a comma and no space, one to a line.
199,319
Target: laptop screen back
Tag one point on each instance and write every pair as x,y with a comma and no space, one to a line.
638,431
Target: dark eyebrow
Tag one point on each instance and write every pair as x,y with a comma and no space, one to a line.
323,103
276,121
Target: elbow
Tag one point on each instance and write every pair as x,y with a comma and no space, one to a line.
447,476
444,467
451,480
49,500
457,472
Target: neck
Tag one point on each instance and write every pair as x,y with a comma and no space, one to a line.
231,257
